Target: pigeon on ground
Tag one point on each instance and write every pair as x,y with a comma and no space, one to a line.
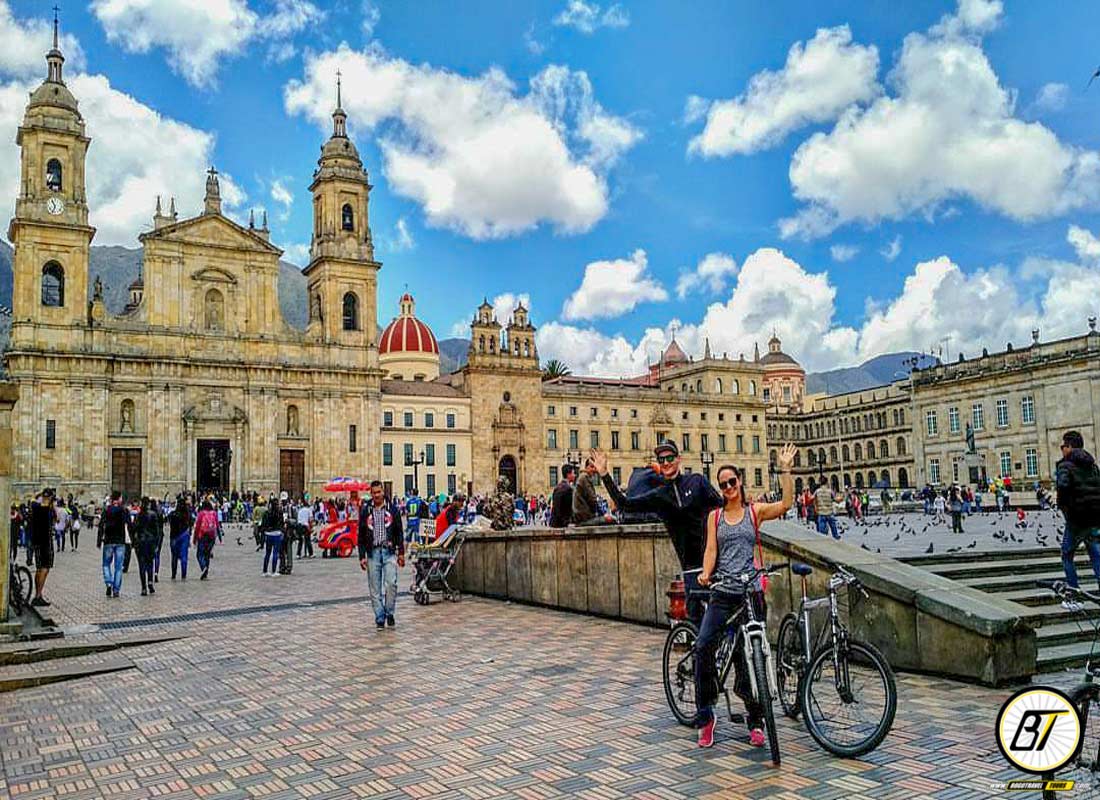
972,545
930,548
865,547
897,536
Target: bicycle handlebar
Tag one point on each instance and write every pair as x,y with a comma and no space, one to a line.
719,579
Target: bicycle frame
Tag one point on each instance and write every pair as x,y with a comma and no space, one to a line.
743,635
836,631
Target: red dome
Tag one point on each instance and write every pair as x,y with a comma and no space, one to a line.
408,335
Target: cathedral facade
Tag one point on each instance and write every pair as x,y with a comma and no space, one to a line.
200,382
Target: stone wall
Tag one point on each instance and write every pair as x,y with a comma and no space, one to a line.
922,622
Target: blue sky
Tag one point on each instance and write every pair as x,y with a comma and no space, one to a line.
910,175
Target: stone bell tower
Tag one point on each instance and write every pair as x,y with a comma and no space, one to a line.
50,231
342,272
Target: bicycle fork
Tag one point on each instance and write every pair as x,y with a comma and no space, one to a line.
754,632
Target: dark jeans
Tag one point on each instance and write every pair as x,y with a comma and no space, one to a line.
273,544
181,546
1070,542
721,606
74,537
145,551
126,558
827,521
956,522
696,597
204,551
305,541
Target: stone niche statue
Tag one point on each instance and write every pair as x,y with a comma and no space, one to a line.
501,506
292,421
127,416
970,448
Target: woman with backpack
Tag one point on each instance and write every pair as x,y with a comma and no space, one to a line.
147,530
272,527
206,532
179,528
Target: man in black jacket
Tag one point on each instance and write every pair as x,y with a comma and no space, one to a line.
681,501
561,501
381,552
1077,478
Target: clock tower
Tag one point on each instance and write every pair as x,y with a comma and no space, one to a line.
50,231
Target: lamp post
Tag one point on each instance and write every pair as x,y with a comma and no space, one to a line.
707,458
772,479
573,457
414,463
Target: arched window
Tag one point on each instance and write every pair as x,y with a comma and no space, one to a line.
351,312
859,480
481,344
347,217
684,387
884,449
903,478
901,416
857,450
847,455
798,458
752,388
847,480
884,476
699,386
773,456
870,449
735,386
811,458
821,455
53,284
718,386
832,454
526,348
900,445
53,175
871,480
214,311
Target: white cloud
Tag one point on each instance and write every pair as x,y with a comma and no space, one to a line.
612,288
892,250
372,15
531,41
588,17
843,252
296,253
710,274
26,42
197,36
504,304
948,131
1084,242
283,196
1052,97
820,79
403,238
478,156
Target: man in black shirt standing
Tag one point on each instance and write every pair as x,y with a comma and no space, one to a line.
112,538
42,521
561,501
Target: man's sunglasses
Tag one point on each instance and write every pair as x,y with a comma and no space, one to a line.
729,483
666,459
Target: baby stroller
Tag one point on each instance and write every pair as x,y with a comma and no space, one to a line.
432,563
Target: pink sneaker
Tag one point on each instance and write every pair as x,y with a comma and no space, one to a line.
706,733
756,737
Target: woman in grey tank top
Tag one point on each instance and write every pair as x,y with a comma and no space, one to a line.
730,544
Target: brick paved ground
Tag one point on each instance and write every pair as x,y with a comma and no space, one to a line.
479,699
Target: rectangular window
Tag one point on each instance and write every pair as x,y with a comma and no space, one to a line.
739,443
51,434
387,454
1006,463
594,438
933,470
617,475
737,418
660,436
786,394
686,442
408,454
550,411
978,416
953,419
703,416
755,418
1031,461
408,419
758,477
595,412
614,440
721,443
430,481
955,471
704,442
429,419
684,415
930,423
450,420
756,444
553,476
635,440
452,484
633,413
452,458
387,419
1027,410
574,440
551,439
721,417
408,483
572,411
1002,413
767,394
429,455
352,437
614,413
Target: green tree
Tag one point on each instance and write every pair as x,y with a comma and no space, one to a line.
554,369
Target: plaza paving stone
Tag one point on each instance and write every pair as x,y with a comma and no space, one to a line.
276,695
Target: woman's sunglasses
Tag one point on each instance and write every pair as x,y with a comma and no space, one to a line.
666,459
729,483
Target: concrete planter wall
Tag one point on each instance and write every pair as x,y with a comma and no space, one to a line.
921,622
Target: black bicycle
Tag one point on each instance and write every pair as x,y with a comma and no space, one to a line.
19,587
744,630
1084,769
843,688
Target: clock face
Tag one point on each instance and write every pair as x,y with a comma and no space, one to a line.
55,206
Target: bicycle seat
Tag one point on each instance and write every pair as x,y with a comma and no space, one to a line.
801,569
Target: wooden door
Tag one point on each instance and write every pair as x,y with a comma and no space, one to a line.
292,472
126,472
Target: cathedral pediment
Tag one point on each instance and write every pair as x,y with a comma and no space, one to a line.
212,229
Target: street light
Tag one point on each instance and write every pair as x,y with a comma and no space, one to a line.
772,479
414,463
707,458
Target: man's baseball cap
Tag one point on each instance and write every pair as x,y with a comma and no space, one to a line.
667,446
283,496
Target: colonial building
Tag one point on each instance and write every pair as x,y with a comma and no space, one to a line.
1016,404
200,382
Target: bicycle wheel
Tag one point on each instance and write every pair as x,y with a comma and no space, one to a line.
853,720
764,698
1084,770
788,664
679,671
19,592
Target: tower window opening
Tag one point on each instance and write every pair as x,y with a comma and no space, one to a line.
53,175
347,218
351,312
53,285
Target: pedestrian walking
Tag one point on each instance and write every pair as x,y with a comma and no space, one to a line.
60,524
825,505
1077,479
114,530
145,543
205,534
179,533
272,527
75,525
42,520
305,534
955,506
381,553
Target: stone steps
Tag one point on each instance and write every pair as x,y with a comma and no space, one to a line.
984,564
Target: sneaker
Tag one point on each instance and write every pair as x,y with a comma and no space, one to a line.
156,579
390,620
380,625
38,601
706,733
1070,605
114,594
203,576
756,737
152,590
144,592
108,591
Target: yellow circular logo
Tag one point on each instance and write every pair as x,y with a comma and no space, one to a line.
1038,730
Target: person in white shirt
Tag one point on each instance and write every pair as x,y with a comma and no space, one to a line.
60,525
305,538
